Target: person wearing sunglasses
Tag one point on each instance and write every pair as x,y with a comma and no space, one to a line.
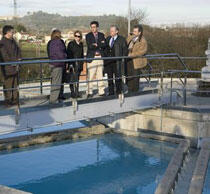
75,50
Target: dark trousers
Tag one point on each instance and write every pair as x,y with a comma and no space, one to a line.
133,83
75,87
113,73
11,82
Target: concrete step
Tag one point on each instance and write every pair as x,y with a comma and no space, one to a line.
185,176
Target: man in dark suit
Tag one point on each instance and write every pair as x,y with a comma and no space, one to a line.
116,47
96,49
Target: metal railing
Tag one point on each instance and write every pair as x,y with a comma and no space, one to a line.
184,69
168,56
45,60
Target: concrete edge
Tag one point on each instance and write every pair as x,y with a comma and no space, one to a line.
167,183
8,190
149,136
199,174
69,134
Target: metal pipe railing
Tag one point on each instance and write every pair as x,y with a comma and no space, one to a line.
154,56
45,60
42,60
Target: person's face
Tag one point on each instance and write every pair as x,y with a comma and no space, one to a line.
94,28
77,37
10,34
136,32
113,31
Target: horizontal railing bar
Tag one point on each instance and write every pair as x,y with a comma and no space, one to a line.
186,71
191,90
150,58
81,82
154,56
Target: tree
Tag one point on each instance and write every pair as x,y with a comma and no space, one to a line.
138,16
20,28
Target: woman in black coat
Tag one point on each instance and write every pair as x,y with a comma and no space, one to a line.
75,51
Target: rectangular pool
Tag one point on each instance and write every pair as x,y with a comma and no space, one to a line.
104,164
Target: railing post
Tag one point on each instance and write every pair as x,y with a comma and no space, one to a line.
17,110
76,81
122,70
161,85
185,90
171,92
41,78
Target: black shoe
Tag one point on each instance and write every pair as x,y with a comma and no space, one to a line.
102,95
111,94
7,105
62,98
79,96
13,103
55,102
89,96
73,95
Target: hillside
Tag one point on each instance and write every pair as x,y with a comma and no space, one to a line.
44,22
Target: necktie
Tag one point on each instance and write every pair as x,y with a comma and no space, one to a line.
112,42
96,37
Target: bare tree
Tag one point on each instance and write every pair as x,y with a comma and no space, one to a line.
138,16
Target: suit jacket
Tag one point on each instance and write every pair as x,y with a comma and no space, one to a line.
139,49
10,51
76,51
119,49
91,49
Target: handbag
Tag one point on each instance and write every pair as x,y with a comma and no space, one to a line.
70,75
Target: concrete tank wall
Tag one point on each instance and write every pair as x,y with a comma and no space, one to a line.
178,122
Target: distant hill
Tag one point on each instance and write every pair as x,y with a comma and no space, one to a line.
44,22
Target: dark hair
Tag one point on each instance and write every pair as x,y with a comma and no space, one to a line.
94,22
6,29
140,28
78,32
56,34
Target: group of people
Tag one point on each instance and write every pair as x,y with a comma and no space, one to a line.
98,46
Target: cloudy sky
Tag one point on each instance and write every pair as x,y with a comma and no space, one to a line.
159,11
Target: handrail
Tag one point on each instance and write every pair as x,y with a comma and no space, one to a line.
41,60
170,57
83,82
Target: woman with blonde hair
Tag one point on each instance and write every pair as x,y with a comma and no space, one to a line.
56,51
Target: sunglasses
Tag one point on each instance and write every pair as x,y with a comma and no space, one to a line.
76,36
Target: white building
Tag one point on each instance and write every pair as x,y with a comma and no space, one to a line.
25,36
4,18
18,36
47,39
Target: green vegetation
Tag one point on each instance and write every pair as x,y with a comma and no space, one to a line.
187,41
43,22
32,50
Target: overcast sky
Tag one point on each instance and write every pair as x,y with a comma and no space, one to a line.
159,11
